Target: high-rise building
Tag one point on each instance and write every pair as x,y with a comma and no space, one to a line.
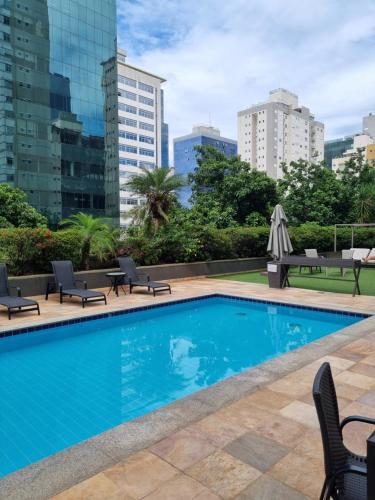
368,125
279,131
135,117
52,121
363,143
185,155
336,147
164,136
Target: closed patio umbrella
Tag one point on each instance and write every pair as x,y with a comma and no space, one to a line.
279,243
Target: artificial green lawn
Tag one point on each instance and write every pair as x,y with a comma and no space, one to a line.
366,280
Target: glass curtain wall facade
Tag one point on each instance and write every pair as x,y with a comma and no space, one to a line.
335,148
185,157
52,103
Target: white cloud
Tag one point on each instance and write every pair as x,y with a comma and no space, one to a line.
219,57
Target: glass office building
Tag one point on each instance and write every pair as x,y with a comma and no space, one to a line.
184,153
52,104
335,148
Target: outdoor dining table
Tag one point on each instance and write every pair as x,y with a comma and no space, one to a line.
354,265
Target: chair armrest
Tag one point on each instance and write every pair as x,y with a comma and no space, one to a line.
357,418
84,282
145,275
352,469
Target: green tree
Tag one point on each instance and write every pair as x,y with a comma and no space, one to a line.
158,187
311,192
15,211
358,186
98,238
230,187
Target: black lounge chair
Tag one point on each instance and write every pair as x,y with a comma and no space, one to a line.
133,278
14,304
346,472
66,284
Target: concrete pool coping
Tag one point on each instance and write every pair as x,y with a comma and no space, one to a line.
68,467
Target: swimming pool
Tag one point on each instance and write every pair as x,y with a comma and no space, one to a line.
62,385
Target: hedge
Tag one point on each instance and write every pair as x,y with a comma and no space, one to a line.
29,251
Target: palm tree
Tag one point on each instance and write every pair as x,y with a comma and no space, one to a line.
366,203
157,186
98,238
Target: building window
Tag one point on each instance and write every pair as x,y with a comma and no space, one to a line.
146,126
145,100
145,87
146,152
6,20
128,161
128,95
127,108
128,135
146,164
146,114
127,121
146,139
127,148
127,81
128,201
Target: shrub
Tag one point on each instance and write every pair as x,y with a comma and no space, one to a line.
30,250
249,241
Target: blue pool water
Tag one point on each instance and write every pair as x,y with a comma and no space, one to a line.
62,385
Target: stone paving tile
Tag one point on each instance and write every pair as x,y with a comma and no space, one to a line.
217,430
348,391
224,474
183,449
352,356
363,369
140,474
304,474
268,488
356,379
301,412
95,488
369,360
243,414
367,398
311,445
181,487
282,430
257,451
269,400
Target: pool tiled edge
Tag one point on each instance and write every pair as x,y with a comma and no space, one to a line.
63,470
8,332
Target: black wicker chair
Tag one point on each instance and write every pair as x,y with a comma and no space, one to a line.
14,304
66,284
346,472
133,278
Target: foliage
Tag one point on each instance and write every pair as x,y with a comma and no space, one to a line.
310,192
15,211
157,186
230,187
98,239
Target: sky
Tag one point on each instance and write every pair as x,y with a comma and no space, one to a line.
220,57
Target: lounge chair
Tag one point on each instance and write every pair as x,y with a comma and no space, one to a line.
14,304
66,284
133,278
346,472
360,253
312,253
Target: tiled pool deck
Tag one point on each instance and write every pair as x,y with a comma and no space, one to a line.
254,436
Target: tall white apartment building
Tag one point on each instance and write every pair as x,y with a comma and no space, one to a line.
279,131
137,119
